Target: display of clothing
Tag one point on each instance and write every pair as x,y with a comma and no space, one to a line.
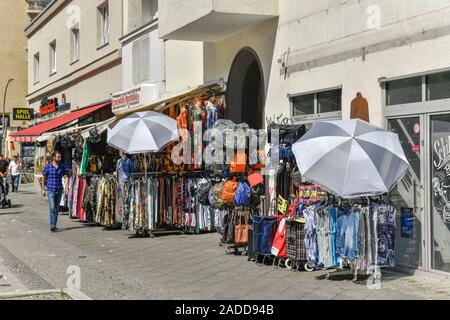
106,201
358,233
166,201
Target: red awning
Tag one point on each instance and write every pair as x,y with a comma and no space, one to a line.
31,134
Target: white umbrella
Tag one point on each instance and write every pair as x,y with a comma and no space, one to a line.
143,132
351,158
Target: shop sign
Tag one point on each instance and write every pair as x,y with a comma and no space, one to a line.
24,139
48,106
126,99
23,114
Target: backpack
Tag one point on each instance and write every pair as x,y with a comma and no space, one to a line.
243,195
229,190
216,196
204,186
239,164
288,134
255,195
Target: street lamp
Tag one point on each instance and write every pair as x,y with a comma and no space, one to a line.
3,119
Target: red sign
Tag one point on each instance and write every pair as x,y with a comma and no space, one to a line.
48,108
125,100
416,148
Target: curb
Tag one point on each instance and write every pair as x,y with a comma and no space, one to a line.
76,294
73,294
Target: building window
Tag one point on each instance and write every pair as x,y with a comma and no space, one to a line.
141,60
317,105
149,10
53,57
427,87
103,24
36,67
75,44
404,91
438,86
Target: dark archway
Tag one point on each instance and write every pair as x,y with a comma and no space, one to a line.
245,91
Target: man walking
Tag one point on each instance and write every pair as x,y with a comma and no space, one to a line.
14,172
52,186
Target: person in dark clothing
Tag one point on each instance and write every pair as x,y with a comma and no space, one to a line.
3,165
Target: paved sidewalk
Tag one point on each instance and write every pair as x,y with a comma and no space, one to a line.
113,266
8,281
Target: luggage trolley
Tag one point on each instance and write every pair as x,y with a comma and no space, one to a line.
264,229
295,246
228,239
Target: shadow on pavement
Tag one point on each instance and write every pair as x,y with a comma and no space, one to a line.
9,213
363,277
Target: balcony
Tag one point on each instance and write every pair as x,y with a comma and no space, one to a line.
36,6
211,20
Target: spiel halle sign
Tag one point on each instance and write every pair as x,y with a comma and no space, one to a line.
23,114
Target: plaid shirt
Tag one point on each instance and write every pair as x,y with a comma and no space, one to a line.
54,177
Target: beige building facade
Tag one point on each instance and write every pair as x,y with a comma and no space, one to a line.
74,53
13,60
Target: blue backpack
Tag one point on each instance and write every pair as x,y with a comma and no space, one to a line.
242,196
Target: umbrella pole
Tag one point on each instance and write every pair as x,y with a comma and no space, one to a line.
145,166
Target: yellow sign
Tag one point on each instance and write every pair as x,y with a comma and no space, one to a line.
23,114
282,205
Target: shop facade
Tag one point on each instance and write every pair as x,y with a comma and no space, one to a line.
417,108
402,73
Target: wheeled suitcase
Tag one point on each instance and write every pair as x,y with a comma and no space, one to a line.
264,229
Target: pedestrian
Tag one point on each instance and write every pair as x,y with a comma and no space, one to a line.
3,172
14,171
52,186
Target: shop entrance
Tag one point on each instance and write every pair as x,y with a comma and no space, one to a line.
245,91
422,198
408,195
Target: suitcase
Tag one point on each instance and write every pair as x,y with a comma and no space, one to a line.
264,229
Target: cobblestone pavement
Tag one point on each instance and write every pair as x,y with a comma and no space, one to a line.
114,266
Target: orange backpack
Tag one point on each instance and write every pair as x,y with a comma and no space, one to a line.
229,190
239,164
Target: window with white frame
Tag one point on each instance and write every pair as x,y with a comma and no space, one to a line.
422,88
141,60
52,49
36,67
323,104
75,44
103,24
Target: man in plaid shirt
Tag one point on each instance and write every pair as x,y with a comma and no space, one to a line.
52,185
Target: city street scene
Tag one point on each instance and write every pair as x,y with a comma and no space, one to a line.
222,150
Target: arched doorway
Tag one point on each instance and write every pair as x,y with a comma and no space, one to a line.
245,91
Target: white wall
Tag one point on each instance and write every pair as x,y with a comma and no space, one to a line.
327,48
59,29
91,90
219,56
157,69
184,65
